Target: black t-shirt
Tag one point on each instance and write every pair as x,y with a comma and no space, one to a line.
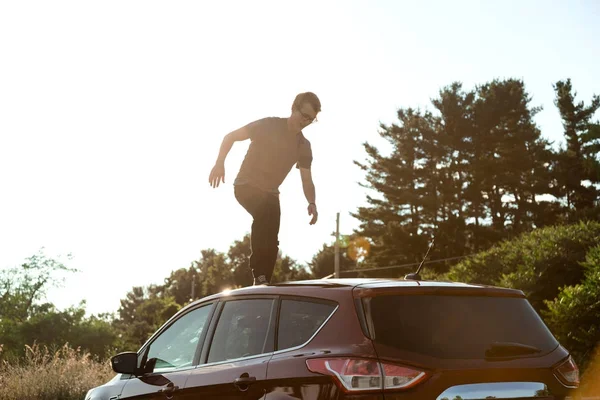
272,153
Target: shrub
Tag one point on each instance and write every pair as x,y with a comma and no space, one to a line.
45,374
574,316
539,263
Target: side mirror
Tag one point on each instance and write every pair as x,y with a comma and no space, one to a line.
125,363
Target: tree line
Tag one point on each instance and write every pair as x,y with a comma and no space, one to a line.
475,171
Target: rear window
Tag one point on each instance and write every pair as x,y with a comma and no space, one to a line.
446,326
299,320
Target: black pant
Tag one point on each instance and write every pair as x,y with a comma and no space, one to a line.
264,243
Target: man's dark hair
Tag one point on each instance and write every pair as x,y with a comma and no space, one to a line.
307,97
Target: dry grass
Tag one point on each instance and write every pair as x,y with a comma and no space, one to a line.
43,374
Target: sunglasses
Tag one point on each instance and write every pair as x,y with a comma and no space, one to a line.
307,117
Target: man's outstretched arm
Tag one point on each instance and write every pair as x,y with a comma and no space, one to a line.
309,191
217,174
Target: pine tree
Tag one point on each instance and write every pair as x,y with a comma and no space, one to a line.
577,166
469,175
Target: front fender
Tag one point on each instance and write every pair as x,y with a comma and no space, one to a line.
111,390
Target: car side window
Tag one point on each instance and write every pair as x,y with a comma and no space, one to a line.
299,320
175,346
244,329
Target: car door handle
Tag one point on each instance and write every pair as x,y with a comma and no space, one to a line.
169,389
244,380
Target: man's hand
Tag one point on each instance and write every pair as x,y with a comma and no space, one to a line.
217,175
312,210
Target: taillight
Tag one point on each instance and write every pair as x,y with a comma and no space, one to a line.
568,373
357,374
401,377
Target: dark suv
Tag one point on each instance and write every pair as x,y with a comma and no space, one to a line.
349,338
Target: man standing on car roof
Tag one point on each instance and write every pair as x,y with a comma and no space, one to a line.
276,145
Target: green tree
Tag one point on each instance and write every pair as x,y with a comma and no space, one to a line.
239,257
21,287
178,285
141,313
26,319
398,221
469,175
515,156
323,262
215,273
578,161
287,269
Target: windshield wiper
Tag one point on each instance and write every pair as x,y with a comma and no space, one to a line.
509,349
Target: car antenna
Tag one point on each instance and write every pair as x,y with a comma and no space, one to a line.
415,275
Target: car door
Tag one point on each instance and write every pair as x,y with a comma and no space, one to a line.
170,356
239,347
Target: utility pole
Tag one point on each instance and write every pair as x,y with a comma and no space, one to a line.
337,247
193,287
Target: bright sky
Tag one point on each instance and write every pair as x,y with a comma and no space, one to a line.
112,113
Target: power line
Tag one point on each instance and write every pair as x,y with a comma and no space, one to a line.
405,265
434,261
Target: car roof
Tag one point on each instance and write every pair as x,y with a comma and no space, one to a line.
364,285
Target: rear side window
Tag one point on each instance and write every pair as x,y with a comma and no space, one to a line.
456,326
299,320
243,330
